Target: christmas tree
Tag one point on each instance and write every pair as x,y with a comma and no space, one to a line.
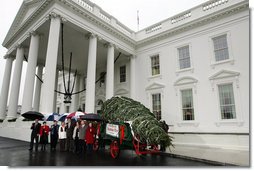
143,122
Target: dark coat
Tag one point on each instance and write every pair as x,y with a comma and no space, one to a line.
35,129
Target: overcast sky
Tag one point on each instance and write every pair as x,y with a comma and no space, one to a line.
150,12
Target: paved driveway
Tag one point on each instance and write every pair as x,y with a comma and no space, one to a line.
15,153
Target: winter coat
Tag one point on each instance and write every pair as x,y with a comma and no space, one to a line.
45,129
90,134
62,132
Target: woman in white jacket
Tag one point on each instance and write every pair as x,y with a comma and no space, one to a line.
62,136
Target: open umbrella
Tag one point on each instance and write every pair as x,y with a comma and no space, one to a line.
91,117
32,115
63,116
52,117
75,115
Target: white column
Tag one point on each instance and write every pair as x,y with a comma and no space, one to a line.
55,94
81,87
15,87
5,87
37,91
47,105
132,77
75,97
110,72
91,74
27,100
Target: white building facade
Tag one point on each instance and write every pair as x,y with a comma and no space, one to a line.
191,70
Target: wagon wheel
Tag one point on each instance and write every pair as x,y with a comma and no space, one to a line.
96,145
114,149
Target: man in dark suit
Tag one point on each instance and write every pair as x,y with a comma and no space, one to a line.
35,134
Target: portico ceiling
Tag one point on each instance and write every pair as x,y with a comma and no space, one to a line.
74,41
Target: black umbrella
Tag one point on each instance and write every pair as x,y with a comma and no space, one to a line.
91,117
32,115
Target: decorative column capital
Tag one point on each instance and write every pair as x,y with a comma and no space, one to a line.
34,33
9,56
106,45
91,35
53,15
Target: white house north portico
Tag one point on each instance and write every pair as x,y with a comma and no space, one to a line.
191,70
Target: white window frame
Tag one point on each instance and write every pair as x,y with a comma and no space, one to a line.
234,80
181,91
151,67
155,88
183,84
218,85
160,105
230,60
180,60
178,69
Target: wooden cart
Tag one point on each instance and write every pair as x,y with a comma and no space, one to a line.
120,136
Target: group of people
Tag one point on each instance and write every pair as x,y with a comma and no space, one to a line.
75,136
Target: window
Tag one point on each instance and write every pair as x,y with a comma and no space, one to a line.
220,48
187,104
67,109
84,107
122,74
184,57
157,105
58,110
155,61
227,101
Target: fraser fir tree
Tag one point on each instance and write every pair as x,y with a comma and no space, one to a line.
143,122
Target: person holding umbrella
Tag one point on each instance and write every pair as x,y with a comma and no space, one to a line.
44,132
35,134
54,135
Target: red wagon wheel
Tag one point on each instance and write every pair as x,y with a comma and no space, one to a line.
96,145
114,149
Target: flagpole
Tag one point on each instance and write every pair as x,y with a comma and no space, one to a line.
138,19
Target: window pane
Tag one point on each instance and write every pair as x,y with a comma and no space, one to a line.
221,48
227,101
155,65
187,104
122,74
184,57
157,105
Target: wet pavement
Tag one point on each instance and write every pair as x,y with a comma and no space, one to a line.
15,153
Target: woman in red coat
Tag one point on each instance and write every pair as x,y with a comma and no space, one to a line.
44,132
90,135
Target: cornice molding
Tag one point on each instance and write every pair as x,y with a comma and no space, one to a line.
191,25
99,22
15,30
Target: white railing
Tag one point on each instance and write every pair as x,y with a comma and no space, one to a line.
153,28
181,17
84,4
213,4
104,17
195,13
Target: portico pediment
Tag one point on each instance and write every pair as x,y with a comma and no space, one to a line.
155,85
224,74
27,8
185,80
